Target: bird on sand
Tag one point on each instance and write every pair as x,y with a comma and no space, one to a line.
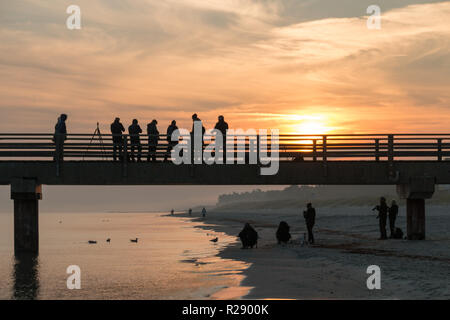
92,241
215,239
134,240
108,240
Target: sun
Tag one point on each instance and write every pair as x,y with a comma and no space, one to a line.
311,127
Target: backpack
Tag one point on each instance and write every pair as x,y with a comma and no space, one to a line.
398,233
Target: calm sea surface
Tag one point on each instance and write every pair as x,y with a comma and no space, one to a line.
172,259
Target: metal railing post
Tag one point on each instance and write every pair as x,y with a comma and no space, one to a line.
258,149
315,150
324,148
391,170
391,148
439,151
377,149
124,155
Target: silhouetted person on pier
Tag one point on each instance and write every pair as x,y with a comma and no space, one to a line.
310,219
283,235
382,209
196,119
134,130
248,236
153,137
222,126
117,138
171,141
59,137
196,122
393,212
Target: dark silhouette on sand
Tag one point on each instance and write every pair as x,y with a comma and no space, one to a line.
393,212
117,138
153,137
249,237
310,220
59,137
382,209
283,235
134,130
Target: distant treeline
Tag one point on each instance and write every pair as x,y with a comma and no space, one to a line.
298,196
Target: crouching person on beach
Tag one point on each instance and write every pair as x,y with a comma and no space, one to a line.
283,235
249,237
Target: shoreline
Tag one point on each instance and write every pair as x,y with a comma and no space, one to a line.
336,266
231,268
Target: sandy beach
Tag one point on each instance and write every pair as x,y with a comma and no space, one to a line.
335,267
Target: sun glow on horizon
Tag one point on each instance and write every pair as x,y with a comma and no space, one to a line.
310,125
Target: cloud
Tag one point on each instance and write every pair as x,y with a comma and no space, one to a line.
168,59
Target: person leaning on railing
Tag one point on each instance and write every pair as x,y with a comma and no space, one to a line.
153,137
171,141
222,126
135,142
59,137
116,131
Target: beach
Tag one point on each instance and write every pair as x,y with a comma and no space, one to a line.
175,259
335,267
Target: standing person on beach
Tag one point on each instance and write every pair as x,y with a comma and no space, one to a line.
310,219
393,212
204,212
382,209
190,211
59,137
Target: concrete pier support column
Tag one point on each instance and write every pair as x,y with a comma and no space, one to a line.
415,215
26,193
415,193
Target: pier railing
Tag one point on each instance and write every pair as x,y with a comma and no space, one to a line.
291,147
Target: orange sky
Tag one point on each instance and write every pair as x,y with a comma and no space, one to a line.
299,66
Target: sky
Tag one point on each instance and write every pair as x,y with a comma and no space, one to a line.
301,66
